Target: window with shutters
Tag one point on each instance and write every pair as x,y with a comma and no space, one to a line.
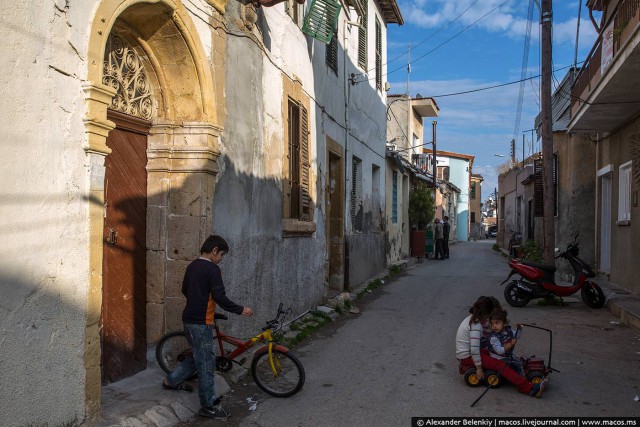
356,193
538,186
394,206
297,203
378,55
624,194
332,54
443,173
472,192
362,37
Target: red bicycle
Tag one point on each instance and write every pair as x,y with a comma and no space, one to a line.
274,369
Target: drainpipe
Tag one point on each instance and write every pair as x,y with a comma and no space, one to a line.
348,82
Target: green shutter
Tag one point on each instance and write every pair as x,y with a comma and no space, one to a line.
322,19
362,38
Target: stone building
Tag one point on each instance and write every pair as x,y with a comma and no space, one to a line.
138,128
605,113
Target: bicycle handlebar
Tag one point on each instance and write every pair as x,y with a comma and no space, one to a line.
275,322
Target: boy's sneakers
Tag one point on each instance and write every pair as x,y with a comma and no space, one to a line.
537,389
216,412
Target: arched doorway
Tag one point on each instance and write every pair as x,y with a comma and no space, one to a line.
181,139
124,293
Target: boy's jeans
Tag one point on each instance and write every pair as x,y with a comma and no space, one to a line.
202,361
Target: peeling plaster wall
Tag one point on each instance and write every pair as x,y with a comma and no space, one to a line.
264,268
576,193
43,214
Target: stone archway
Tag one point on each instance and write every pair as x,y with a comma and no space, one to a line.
182,151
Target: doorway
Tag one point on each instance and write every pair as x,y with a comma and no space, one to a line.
334,197
604,262
123,320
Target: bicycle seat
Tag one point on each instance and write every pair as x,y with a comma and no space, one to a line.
220,316
549,268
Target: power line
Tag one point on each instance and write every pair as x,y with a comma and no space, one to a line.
431,35
443,43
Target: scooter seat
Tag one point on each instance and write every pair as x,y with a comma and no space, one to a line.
548,268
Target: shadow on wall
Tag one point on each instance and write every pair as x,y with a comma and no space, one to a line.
42,344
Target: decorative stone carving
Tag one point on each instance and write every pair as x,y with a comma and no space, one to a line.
124,71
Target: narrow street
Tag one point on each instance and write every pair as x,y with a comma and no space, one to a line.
396,359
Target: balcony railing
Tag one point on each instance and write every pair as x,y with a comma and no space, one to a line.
626,12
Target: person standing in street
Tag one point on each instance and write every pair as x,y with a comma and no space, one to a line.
446,228
204,289
439,236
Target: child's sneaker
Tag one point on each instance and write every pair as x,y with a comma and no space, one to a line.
216,412
538,388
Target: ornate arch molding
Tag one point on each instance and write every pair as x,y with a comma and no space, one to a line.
197,94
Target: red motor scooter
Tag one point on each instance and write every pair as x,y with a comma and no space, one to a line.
537,281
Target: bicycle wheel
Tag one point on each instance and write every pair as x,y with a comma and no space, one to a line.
288,378
171,350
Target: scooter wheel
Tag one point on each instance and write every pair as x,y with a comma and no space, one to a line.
492,379
535,377
592,295
471,378
514,296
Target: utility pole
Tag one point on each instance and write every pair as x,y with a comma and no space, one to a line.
435,162
547,134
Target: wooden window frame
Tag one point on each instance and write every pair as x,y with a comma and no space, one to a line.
298,205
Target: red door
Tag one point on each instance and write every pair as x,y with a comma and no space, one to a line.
123,322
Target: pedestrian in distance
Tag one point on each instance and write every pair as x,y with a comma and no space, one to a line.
503,339
204,289
446,228
472,342
439,236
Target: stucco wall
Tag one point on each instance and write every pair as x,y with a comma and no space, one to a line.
576,197
43,214
625,239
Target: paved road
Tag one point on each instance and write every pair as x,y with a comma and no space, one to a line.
397,358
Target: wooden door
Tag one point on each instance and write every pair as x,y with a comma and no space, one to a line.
123,321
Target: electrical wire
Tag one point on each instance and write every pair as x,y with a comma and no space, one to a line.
441,44
428,37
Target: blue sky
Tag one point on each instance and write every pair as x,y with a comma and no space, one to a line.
489,52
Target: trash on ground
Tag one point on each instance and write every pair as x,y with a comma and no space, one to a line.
253,404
